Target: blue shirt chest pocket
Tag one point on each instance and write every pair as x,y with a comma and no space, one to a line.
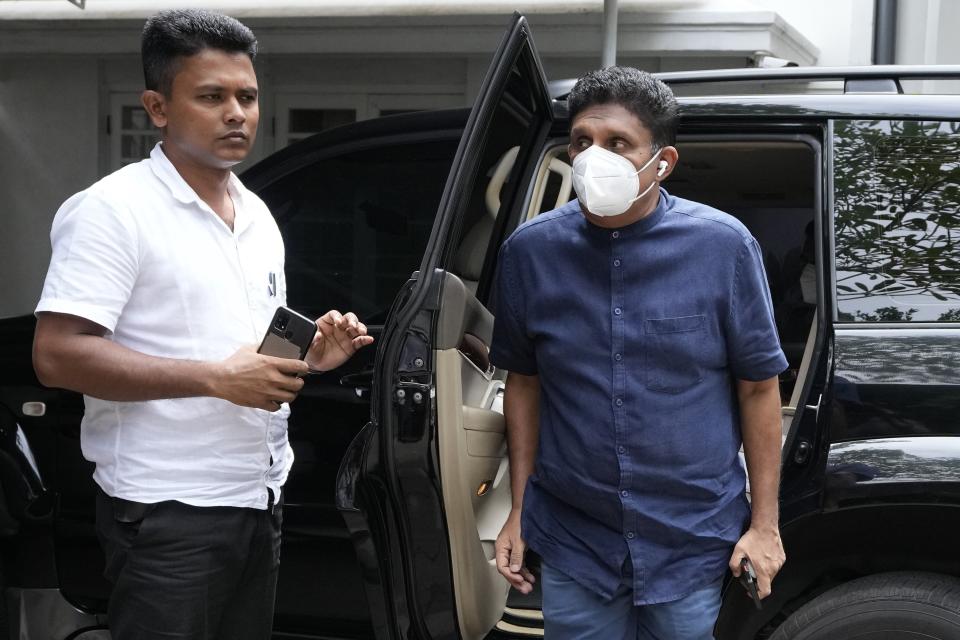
673,352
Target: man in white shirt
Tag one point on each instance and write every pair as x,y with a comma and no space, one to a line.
164,277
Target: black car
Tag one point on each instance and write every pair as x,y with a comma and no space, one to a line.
400,484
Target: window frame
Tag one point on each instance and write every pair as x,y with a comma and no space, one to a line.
285,102
119,100
367,103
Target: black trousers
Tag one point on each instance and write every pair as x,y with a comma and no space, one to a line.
184,572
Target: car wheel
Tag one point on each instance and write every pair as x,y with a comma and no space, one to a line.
886,606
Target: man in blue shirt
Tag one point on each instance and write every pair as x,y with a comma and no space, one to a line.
639,336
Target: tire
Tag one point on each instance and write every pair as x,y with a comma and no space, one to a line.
886,606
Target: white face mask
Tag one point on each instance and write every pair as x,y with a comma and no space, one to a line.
606,183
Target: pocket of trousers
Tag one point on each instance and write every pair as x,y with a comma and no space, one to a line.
129,516
118,525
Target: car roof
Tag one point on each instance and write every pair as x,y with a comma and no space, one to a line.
868,92
811,107
874,75
414,126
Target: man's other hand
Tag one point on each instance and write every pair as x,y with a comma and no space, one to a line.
339,336
510,550
764,549
250,379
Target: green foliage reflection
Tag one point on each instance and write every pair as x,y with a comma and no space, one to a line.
897,192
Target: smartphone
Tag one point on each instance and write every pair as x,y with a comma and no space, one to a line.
748,578
289,335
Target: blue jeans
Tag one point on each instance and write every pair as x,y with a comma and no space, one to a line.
571,611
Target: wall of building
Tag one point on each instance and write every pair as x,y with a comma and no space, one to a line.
841,29
55,101
49,137
54,111
54,131
927,32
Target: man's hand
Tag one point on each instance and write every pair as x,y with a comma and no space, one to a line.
250,379
338,338
765,551
510,549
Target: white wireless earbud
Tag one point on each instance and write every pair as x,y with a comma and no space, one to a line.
662,167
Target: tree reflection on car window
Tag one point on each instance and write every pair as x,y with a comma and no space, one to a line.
897,192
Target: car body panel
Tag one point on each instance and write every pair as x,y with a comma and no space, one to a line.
890,383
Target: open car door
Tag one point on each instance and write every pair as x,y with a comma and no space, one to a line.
424,487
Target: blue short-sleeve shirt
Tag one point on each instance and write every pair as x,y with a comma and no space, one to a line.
638,335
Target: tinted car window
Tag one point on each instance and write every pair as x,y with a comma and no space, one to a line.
355,225
897,193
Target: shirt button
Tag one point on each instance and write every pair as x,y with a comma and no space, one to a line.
617,311
618,357
615,235
621,449
630,535
624,493
616,262
619,402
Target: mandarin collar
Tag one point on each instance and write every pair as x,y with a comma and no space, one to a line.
664,204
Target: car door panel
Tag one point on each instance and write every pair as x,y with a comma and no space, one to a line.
355,217
408,486
63,549
471,439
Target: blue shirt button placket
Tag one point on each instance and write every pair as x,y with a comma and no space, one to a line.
619,389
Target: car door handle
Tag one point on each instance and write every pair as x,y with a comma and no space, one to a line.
816,407
359,380
34,409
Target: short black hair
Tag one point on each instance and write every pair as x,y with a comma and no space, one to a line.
170,35
637,91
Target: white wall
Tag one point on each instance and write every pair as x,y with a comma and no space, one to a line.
927,32
948,44
48,136
841,29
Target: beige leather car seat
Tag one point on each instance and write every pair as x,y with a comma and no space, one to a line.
469,260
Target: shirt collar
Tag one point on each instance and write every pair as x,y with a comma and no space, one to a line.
664,204
183,192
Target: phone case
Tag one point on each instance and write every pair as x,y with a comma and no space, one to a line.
289,335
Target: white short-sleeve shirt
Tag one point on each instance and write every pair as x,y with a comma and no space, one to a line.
140,254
